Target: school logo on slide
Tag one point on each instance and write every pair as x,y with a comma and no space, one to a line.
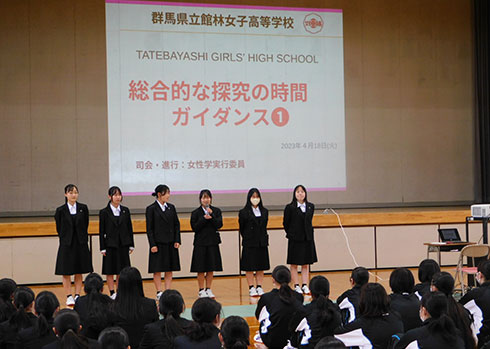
313,23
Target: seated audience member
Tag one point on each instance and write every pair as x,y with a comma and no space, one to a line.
94,307
46,305
234,333
348,301
275,309
375,324
132,310
403,301
7,288
67,328
444,282
427,269
330,343
161,334
437,330
203,331
113,338
318,319
477,302
21,319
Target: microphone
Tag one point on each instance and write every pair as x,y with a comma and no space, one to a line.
207,207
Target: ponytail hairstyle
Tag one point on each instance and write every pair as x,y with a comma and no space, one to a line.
67,325
235,333
444,282
204,313
98,303
282,277
171,305
45,305
320,290
161,189
436,305
69,188
374,301
129,293
7,288
294,200
113,338
113,191
23,298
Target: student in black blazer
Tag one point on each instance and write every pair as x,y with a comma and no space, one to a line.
206,220
163,230
115,237
297,222
252,220
74,256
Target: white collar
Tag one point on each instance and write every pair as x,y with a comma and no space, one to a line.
115,210
163,207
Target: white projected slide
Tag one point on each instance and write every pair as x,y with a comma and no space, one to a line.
224,97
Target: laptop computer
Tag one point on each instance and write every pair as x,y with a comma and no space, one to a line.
449,235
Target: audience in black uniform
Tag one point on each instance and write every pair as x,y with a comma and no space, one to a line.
7,288
67,328
113,338
427,269
234,333
348,301
402,300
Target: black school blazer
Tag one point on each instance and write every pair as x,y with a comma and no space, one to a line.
253,229
206,230
115,231
298,225
64,224
162,227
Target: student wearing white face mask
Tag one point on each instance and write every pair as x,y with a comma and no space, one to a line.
253,220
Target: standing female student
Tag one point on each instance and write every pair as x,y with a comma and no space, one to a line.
297,222
115,237
74,257
253,220
163,230
206,257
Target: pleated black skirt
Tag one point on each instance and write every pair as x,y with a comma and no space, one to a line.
255,258
301,252
206,258
115,260
166,259
73,259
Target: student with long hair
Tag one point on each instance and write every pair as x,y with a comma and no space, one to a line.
7,288
427,269
113,338
161,334
375,325
348,301
163,230
21,319
67,329
444,282
297,222
46,306
477,302
252,220
94,308
115,237
203,331
403,301
318,319
206,220
131,308
275,309
234,333
437,330
74,256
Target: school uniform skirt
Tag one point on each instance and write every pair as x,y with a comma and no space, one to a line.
115,260
206,258
74,259
254,258
166,259
301,252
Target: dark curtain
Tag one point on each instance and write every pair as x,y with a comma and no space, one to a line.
482,92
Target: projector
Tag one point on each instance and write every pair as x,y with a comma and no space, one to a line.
480,211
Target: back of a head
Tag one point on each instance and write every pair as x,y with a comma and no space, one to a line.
402,281
129,294
360,276
282,277
205,312
436,304
484,269
171,305
374,301
67,325
7,288
23,298
444,282
93,283
330,343
113,338
45,305
427,269
235,333
319,285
